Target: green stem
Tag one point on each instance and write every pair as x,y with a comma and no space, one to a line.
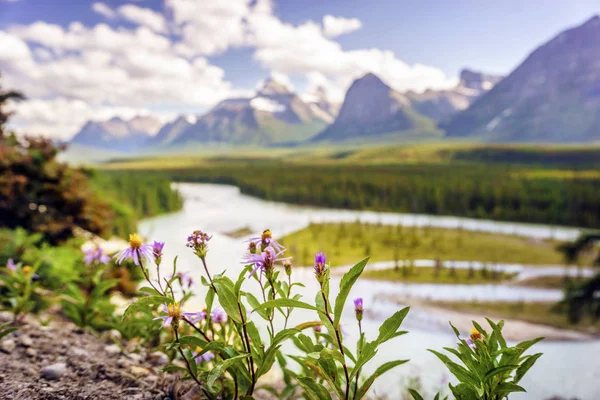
339,341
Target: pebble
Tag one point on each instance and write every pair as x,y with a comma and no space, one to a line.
31,352
139,371
26,341
8,346
112,349
54,371
114,334
79,352
124,362
135,357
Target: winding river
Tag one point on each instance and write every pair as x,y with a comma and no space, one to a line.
567,369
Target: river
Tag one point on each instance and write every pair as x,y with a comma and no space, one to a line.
566,368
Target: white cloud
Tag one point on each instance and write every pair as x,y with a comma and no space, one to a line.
336,26
103,9
143,16
86,71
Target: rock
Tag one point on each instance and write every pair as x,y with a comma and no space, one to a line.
135,357
54,371
114,335
124,362
8,346
79,352
139,371
26,341
158,358
31,352
112,349
151,379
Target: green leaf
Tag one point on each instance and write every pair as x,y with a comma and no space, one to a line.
144,303
524,367
306,325
415,394
314,389
528,343
462,374
255,304
346,283
378,372
227,298
221,367
389,328
499,370
210,298
287,303
508,388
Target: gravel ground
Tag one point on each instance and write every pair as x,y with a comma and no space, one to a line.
61,361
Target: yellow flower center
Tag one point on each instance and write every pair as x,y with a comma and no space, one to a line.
174,310
134,241
475,335
198,349
266,234
26,270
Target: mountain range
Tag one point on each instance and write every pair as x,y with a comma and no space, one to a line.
552,97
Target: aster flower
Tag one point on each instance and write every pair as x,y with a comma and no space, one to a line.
136,251
470,343
266,240
475,335
320,267
218,316
11,265
173,314
358,308
157,251
96,256
198,316
265,260
185,278
206,357
27,270
198,241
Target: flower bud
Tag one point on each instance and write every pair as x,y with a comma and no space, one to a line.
320,267
157,251
252,248
287,265
358,308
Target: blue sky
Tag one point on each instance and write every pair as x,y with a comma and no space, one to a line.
411,44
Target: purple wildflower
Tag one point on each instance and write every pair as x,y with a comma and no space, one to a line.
320,267
199,316
157,251
11,265
218,316
173,314
358,308
205,357
266,240
198,241
265,260
96,256
136,251
185,278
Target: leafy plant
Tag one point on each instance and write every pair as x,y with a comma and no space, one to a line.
223,351
86,303
17,285
490,369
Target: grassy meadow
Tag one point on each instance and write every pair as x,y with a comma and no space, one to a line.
347,242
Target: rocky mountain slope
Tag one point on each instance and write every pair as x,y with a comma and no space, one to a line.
552,97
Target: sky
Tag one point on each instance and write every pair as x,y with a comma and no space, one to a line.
80,60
